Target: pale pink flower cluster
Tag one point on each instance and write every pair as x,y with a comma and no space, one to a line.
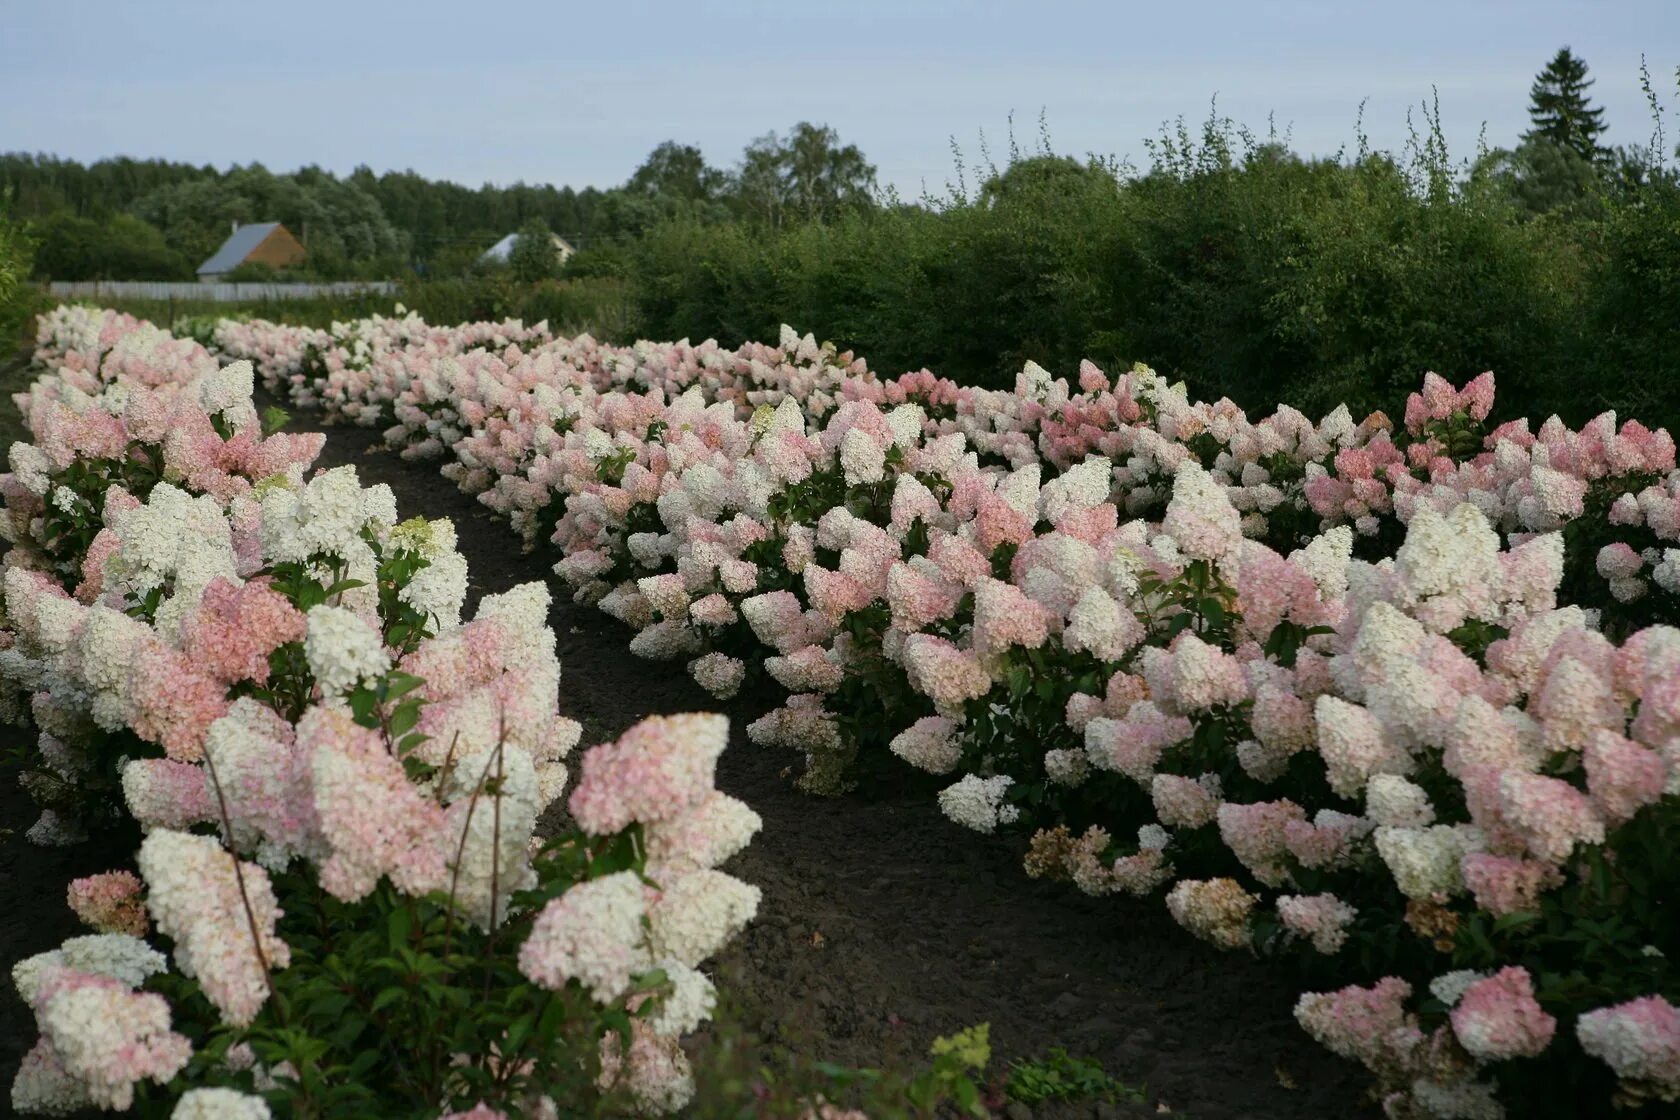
199,899
1368,1025
1320,918
1499,1018
1640,1040
603,933
109,902
99,1038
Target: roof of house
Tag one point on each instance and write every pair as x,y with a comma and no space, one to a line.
237,247
500,250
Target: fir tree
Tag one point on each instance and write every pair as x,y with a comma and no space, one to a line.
1559,108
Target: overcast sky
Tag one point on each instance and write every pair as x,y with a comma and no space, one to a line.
503,90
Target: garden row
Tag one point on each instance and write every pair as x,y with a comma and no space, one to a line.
1392,702
341,905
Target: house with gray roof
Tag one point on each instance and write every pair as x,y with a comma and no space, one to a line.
267,243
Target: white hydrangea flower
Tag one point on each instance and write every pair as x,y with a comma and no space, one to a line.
1393,801
906,423
228,389
1449,987
174,540
438,589
689,1003
1098,624
219,1104
1067,767
325,517
31,466
1424,861
1152,837
1325,558
977,803
698,913
342,650
489,843
861,458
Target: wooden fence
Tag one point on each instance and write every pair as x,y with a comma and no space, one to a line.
213,293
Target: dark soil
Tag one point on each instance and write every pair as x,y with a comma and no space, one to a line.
882,924
34,915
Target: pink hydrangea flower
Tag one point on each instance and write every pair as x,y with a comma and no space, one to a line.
1498,1018
656,770
234,629
109,902
1507,884
1640,1040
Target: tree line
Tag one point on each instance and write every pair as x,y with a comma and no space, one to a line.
132,219
1242,267
1229,259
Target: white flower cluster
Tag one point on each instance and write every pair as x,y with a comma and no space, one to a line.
1423,861
718,673
174,543
220,1104
325,519
488,841
591,934
343,651
978,803
438,589
196,899
696,915
116,955
1393,801
929,744
227,391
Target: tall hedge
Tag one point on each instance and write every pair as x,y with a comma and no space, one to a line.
1263,277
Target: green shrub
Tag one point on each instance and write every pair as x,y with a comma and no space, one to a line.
1231,263
120,247
19,299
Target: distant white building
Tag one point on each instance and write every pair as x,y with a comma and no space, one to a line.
498,253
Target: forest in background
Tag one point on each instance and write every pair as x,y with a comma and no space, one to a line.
1229,260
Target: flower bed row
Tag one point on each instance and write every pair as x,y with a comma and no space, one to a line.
1384,701
338,905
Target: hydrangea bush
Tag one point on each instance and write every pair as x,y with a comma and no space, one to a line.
1398,702
340,905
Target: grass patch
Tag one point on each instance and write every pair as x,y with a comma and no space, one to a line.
1059,1076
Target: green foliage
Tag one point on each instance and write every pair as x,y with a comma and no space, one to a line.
534,255
256,272
1249,271
17,297
735,1084
808,176
122,247
1636,286
1543,176
676,171
1558,106
337,221
1058,1076
382,995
